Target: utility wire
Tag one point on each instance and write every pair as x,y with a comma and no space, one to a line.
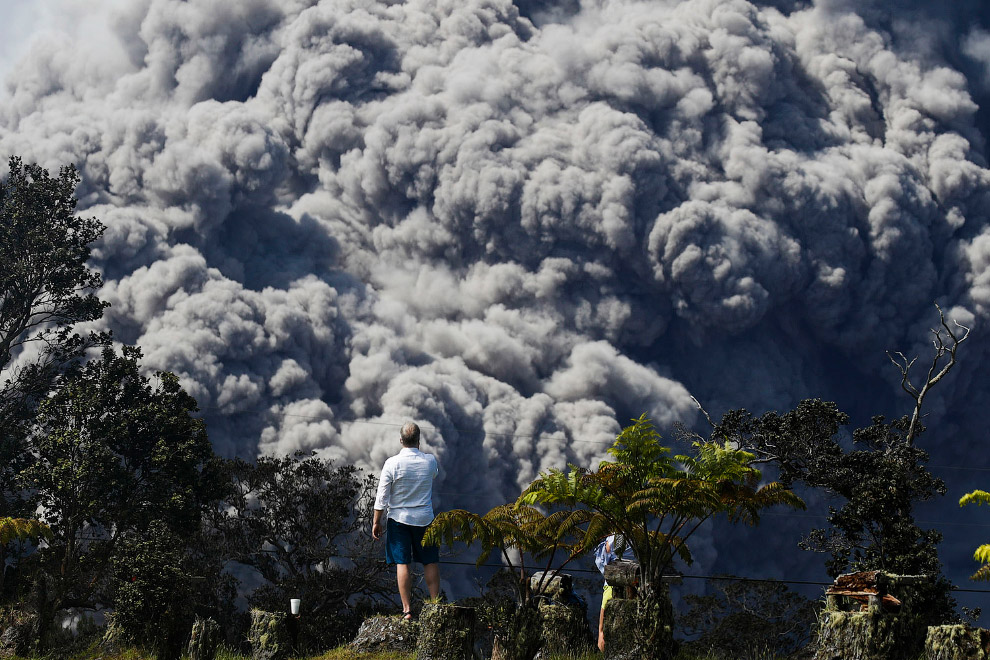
497,434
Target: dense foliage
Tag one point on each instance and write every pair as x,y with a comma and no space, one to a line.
296,521
45,288
879,477
656,500
743,619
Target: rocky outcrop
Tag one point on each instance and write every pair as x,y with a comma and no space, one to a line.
383,634
19,636
204,640
446,632
620,630
269,636
958,642
869,617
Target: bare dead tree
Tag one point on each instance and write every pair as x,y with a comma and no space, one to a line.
943,359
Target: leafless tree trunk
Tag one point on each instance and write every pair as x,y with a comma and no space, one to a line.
943,360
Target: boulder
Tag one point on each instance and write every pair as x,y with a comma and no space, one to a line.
556,588
622,573
565,630
269,636
958,642
18,637
637,628
620,630
384,634
869,635
204,640
446,632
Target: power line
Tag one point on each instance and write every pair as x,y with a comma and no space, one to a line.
484,432
727,578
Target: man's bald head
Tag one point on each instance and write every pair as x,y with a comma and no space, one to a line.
409,435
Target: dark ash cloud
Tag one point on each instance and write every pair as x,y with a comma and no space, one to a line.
524,224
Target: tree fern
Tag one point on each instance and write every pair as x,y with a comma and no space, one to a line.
656,500
982,553
23,529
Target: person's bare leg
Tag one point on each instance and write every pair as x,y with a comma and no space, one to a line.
404,577
431,572
601,631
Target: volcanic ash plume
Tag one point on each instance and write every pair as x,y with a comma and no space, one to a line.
521,229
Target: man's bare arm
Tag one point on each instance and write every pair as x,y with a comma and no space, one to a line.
376,525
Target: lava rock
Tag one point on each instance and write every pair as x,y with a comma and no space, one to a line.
381,634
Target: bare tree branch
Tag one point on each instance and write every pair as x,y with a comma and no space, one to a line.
703,411
945,347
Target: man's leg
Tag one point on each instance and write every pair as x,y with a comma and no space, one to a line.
432,574
404,577
601,631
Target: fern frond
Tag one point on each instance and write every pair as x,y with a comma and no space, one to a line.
982,575
976,497
982,554
23,529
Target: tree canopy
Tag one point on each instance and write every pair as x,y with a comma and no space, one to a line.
113,454
45,288
657,500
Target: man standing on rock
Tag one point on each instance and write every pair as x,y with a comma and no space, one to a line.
405,490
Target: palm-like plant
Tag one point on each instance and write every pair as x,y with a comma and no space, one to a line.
657,502
516,532
982,553
519,533
19,529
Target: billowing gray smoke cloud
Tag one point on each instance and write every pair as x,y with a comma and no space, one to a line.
524,225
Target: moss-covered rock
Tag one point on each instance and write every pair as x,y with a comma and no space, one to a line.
446,632
958,642
559,587
19,635
869,636
269,636
640,628
565,630
383,634
620,630
204,640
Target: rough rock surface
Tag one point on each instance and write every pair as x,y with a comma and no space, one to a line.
959,642
622,573
380,634
204,640
565,630
269,636
868,636
620,624
18,637
446,632
555,587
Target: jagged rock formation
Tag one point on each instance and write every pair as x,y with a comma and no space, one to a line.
204,640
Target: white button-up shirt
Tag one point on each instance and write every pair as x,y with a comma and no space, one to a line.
406,487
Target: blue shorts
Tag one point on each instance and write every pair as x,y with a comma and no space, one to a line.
404,545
